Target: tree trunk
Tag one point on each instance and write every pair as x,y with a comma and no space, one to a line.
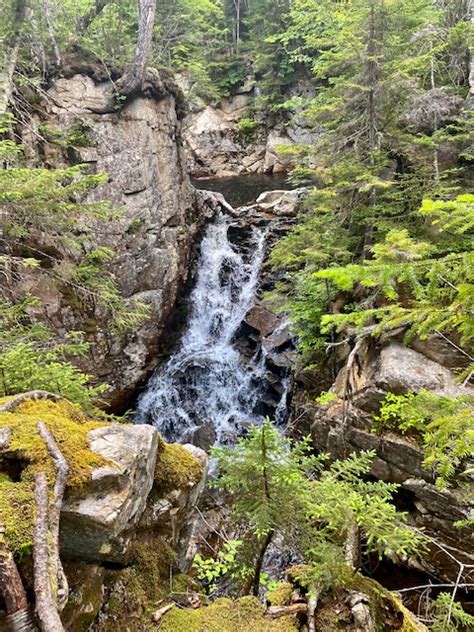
46,7
132,80
86,20
11,585
352,546
10,58
372,77
259,563
470,13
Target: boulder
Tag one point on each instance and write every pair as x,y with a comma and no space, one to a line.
96,519
261,319
343,427
280,203
86,595
398,369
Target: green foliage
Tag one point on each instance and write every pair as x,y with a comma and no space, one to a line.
444,427
30,358
261,471
45,220
278,486
247,128
209,570
448,615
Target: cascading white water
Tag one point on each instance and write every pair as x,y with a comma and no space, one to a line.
206,381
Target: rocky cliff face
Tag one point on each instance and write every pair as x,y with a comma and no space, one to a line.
218,145
347,425
139,146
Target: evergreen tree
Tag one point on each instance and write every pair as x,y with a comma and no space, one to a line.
278,488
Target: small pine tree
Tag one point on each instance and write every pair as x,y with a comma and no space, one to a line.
279,487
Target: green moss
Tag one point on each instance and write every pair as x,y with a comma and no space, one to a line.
176,468
69,427
385,604
226,615
136,591
280,595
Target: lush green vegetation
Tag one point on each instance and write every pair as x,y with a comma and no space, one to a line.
384,244
281,491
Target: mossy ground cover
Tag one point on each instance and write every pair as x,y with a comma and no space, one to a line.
70,427
226,615
135,592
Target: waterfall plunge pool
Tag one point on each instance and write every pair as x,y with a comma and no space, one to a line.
240,190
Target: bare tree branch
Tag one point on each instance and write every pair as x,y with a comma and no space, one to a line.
62,475
50,582
19,399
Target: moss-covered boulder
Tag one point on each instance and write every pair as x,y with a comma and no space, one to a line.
97,520
180,476
23,453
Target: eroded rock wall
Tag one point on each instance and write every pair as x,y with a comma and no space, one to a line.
347,425
138,144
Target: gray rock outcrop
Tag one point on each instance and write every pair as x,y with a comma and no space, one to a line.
153,235
343,427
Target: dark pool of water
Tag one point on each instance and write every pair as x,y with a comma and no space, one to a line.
243,189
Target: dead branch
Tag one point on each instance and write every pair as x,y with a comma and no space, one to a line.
51,588
11,585
45,603
19,399
275,612
159,614
313,598
62,474
352,545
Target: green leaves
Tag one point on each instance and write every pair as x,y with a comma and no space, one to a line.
211,569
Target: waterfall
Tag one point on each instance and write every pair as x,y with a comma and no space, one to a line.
206,382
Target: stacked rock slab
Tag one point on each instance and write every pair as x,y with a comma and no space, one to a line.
344,427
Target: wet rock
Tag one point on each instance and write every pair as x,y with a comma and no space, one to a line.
96,518
261,319
204,437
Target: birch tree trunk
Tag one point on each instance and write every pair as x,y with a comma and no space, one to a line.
10,57
133,79
46,7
